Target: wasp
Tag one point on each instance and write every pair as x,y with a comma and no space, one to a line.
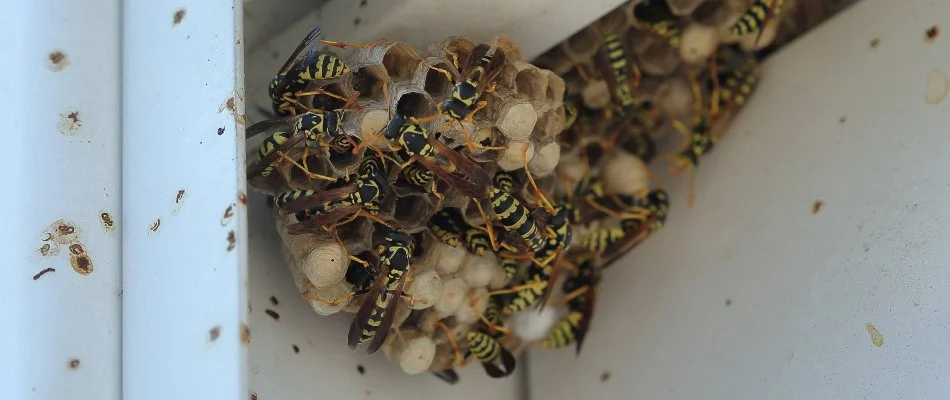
477,241
570,114
659,20
422,147
581,296
286,133
620,75
489,352
754,18
447,225
737,86
658,203
482,67
511,213
374,318
306,65
330,206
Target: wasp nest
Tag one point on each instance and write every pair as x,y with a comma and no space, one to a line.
678,47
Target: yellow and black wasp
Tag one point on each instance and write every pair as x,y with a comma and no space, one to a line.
480,70
659,20
287,133
754,18
328,207
489,351
374,318
447,226
304,66
621,75
449,165
511,213
581,297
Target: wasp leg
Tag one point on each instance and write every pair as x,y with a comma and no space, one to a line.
488,226
455,347
310,175
473,301
332,303
573,295
715,96
536,284
469,143
629,213
348,100
534,186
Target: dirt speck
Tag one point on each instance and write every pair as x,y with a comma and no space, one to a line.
48,250
842,120
253,396
930,35
876,337
232,240
108,224
228,215
73,363
296,349
79,259
242,198
245,334
604,377
220,131
728,302
43,272
273,300
69,123
361,369
273,314
937,86
356,22
875,42
58,60
180,196
179,15
214,333
232,108
363,3
368,392
155,224
816,206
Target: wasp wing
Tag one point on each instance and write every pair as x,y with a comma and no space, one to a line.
366,309
321,198
388,316
258,166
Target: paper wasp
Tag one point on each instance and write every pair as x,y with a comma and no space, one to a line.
581,297
482,67
483,343
447,226
659,20
755,17
374,318
449,165
328,207
304,66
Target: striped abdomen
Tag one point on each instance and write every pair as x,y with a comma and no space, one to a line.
483,346
515,217
598,240
564,332
753,19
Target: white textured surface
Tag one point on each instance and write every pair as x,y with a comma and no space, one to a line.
184,280
56,168
749,295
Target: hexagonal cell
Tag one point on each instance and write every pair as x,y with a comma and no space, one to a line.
710,12
549,125
355,234
659,59
413,211
369,82
437,84
583,44
457,49
400,61
414,104
531,82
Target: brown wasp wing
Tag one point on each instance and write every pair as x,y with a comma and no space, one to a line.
317,222
258,166
613,252
447,375
588,311
493,371
366,308
473,58
295,64
480,181
463,185
319,199
555,266
603,65
507,361
269,125
388,316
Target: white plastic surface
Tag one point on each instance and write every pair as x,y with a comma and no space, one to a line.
185,278
751,295
60,92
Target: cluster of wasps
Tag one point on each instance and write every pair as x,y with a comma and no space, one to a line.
532,236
